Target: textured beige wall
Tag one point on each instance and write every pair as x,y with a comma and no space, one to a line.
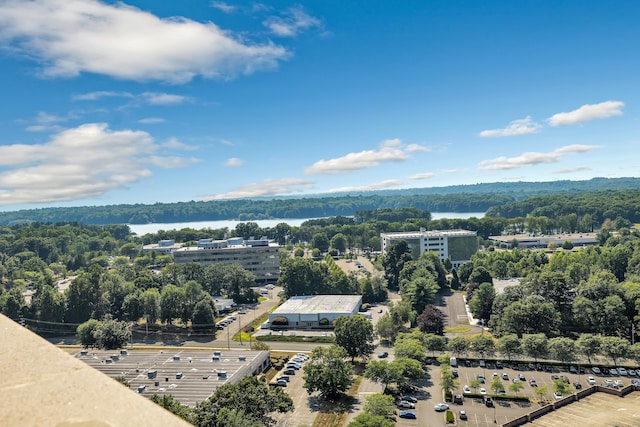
41,385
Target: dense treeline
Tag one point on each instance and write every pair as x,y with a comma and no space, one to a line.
594,289
244,210
597,205
460,198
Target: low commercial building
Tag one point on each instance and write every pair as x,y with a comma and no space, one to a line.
191,376
260,257
456,245
309,311
163,246
532,241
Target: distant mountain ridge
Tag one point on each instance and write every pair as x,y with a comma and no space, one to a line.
456,198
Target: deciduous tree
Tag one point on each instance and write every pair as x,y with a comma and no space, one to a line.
328,372
355,335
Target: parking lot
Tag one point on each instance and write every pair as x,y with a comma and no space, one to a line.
480,415
596,410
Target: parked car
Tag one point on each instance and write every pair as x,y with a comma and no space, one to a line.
577,385
463,415
619,383
521,377
498,366
591,381
622,371
454,372
565,379
457,399
614,372
573,369
605,371
409,399
635,382
554,377
632,372
557,396
281,383
405,404
289,371
533,382
505,376
407,414
483,391
441,407
466,389
383,355
487,401
242,312
480,378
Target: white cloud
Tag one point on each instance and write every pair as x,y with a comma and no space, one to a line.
69,37
390,183
533,158
268,187
223,7
159,98
151,120
587,113
412,148
77,163
172,162
391,150
234,162
94,96
572,170
425,175
294,21
524,126
175,144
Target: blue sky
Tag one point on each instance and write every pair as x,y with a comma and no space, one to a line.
149,101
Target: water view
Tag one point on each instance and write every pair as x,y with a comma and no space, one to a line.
142,229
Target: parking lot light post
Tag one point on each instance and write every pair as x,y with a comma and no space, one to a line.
495,420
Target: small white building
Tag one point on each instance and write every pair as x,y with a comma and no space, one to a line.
307,311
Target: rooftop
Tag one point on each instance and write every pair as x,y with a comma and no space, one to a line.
44,386
191,376
311,304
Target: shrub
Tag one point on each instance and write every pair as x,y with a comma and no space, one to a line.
449,415
364,307
280,321
323,322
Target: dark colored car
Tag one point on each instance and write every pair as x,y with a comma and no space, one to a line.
463,415
407,414
290,371
409,399
577,385
488,402
498,365
457,399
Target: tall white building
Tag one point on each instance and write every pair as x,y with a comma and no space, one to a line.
457,245
260,257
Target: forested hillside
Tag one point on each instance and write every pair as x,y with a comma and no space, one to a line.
460,198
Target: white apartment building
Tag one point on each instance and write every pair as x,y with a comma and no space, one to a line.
457,245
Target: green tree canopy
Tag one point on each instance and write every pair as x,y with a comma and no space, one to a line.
355,335
328,372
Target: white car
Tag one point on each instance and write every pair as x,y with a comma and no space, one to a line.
632,373
466,389
441,407
591,381
613,371
557,396
483,391
622,371
405,404
595,370
619,383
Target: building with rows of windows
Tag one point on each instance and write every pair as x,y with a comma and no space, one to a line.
260,257
456,245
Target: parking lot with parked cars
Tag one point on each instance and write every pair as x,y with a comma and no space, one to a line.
488,409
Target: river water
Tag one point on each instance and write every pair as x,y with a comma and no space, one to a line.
141,229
